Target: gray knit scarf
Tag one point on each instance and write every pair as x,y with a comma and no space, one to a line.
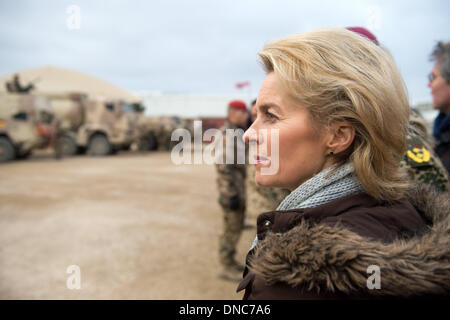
322,188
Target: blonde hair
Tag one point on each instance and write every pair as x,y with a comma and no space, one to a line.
340,76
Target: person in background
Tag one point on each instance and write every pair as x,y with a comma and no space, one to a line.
232,193
420,160
439,83
16,86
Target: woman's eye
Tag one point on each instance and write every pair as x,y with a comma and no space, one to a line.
270,116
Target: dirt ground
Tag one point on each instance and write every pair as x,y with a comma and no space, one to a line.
137,225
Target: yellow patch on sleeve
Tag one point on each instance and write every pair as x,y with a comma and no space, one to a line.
419,155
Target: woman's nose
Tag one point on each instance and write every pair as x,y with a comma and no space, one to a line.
251,135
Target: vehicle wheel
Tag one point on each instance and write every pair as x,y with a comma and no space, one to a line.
152,142
7,152
81,150
148,143
68,146
99,145
23,155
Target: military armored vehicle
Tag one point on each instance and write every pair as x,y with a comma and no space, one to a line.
92,124
25,124
154,133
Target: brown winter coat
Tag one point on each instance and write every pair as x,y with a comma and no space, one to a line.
324,252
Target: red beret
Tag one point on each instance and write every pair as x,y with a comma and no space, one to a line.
365,33
237,104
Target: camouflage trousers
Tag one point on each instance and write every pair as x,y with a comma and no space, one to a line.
233,224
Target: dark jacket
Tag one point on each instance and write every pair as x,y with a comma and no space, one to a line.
325,252
441,132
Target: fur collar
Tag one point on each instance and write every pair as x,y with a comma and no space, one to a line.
322,257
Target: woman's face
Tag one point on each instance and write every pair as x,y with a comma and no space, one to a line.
302,146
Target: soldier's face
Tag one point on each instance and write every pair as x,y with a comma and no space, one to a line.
238,117
302,147
440,90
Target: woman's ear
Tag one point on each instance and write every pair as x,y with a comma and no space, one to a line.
341,137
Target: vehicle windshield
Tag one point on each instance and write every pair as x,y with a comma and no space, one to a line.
133,107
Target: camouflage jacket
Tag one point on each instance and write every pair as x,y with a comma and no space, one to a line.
421,162
231,173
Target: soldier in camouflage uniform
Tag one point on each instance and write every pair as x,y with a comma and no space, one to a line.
260,199
231,183
421,162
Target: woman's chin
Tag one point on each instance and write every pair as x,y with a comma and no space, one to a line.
265,180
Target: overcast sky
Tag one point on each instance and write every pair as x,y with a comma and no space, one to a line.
204,46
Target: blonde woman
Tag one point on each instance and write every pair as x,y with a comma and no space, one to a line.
352,225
